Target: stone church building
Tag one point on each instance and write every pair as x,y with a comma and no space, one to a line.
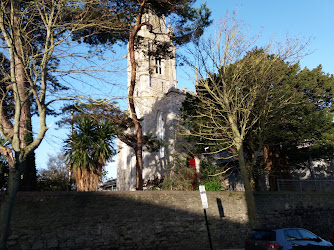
158,102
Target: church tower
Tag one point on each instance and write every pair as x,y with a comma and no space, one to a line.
157,101
156,69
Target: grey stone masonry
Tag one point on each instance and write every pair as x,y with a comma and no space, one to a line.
157,219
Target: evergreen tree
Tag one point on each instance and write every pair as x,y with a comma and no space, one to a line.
297,123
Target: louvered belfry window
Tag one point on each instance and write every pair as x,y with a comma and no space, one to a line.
158,69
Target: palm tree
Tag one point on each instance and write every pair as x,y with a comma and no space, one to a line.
88,149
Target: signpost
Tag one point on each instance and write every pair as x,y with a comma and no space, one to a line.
205,206
203,197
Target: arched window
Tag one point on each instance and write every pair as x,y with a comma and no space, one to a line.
125,153
161,132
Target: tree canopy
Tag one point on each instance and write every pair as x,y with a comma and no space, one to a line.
56,176
88,149
290,121
238,87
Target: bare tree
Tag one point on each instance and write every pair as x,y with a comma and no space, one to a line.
234,89
34,37
56,176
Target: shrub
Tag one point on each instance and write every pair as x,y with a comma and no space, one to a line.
213,185
178,175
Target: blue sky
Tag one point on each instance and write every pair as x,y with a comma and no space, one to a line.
305,19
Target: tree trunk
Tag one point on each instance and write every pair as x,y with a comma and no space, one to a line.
139,131
29,174
29,180
18,64
22,134
7,202
248,189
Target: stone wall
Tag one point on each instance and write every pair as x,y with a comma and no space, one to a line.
314,211
156,219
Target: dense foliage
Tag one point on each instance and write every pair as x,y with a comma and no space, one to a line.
179,176
88,149
290,117
211,175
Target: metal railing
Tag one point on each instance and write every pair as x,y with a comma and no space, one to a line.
305,185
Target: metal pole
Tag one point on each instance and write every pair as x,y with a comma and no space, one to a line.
278,185
207,227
